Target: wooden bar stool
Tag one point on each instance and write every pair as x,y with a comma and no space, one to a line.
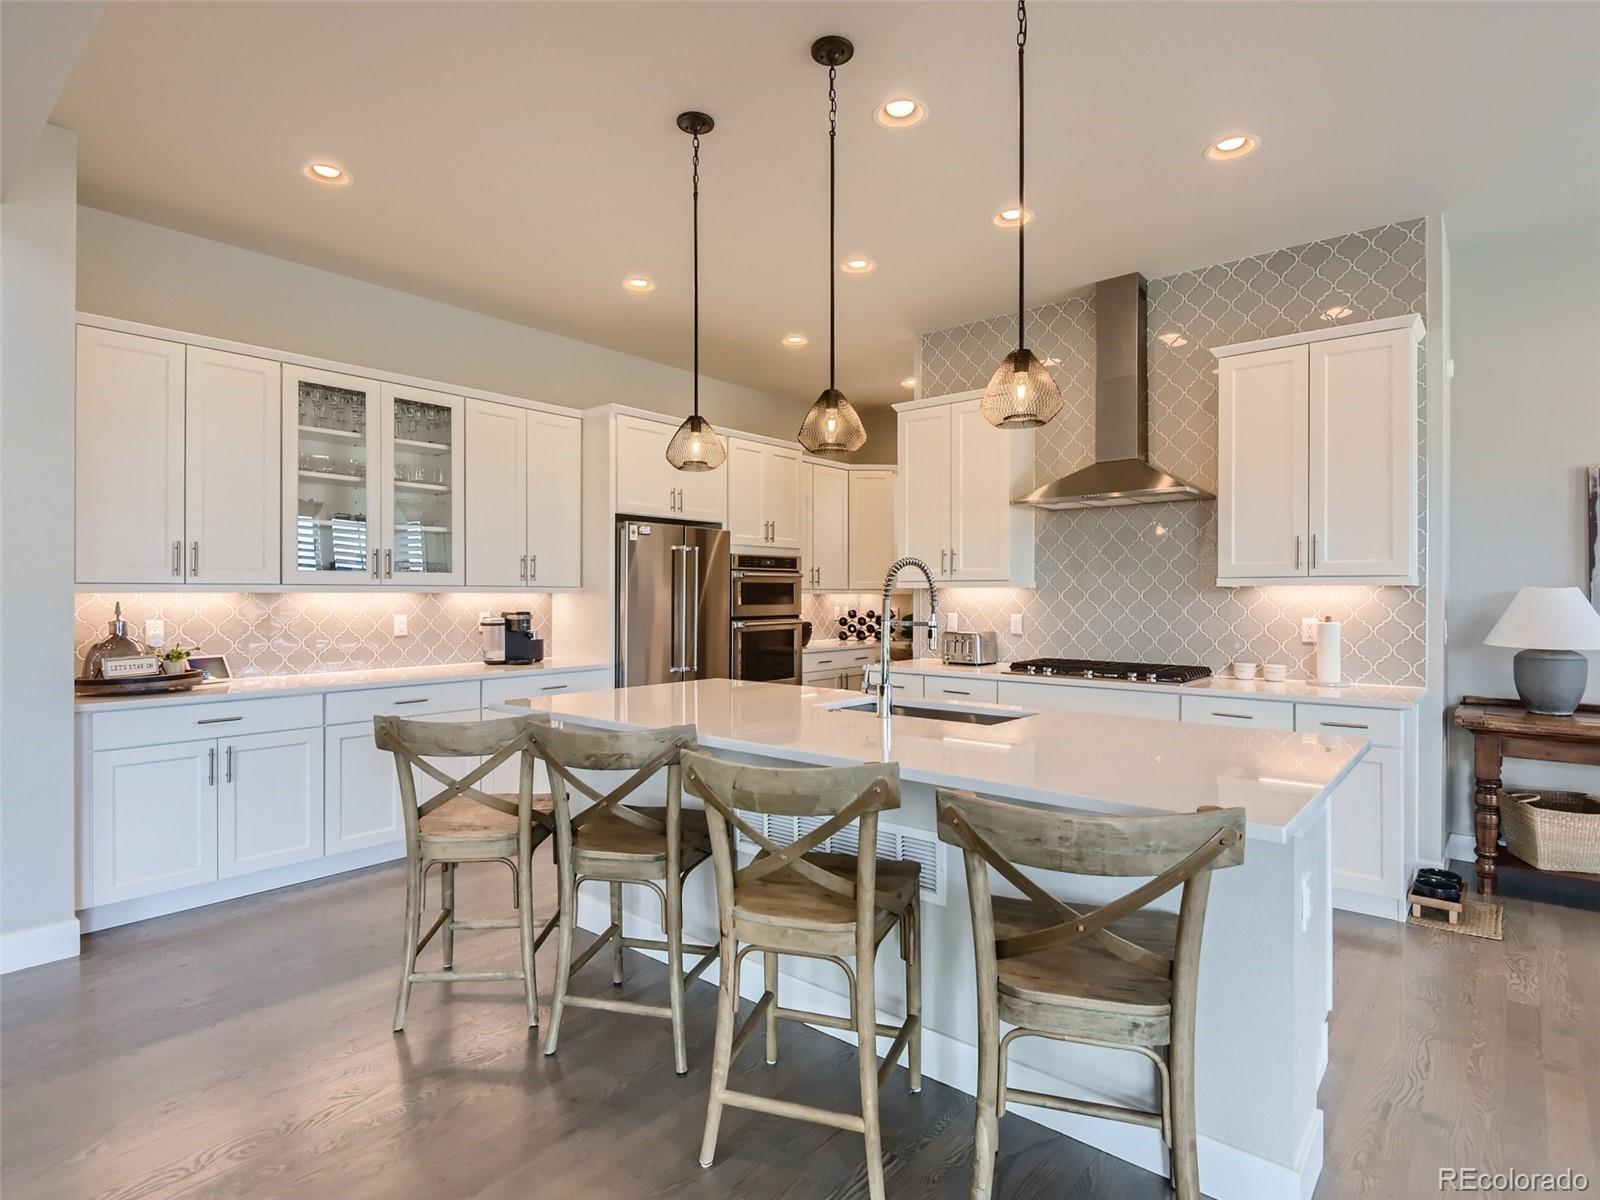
793,900
616,843
1116,975
462,824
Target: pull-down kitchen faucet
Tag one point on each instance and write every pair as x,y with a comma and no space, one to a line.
932,625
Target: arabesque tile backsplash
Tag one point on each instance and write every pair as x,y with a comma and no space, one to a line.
296,633
1140,582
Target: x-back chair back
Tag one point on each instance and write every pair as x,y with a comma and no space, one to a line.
566,750
460,822
791,899
1031,944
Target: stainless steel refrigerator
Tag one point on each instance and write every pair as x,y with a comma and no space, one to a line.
672,602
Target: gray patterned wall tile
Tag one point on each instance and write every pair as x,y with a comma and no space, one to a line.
1141,582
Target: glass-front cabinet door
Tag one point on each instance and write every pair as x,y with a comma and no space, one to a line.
332,472
422,495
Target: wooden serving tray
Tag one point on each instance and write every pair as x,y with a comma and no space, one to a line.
144,683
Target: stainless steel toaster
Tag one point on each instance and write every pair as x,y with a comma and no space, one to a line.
969,647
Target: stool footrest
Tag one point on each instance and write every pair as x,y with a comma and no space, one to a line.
1087,1108
497,923
465,976
621,1006
849,1122
829,1021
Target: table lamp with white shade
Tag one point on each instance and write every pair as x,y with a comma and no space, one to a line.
1549,627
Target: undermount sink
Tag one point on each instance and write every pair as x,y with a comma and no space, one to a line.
937,712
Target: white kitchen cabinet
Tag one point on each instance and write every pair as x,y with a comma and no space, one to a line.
648,486
232,489
1239,712
269,801
958,475
332,479
972,691
130,450
825,527
420,490
1121,702
763,494
1317,456
523,497
361,804
153,819
1368,835
871,527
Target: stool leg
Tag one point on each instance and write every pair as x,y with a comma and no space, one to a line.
769,960
991,1082
727,1012
569,911
1185,1157
447,901
413,932
616,942
673,885
523,878
866,1015
911,949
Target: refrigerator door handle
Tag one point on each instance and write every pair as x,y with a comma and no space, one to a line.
680,609
694,612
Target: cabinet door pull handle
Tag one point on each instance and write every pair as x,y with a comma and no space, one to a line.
555,687
943,554
533,567
1297,540
1234,716
218,720
952,560
375,564
227,769
194,559
522,571
211,767
955,692
388,564
1345,725
1313,552
177,560
418,700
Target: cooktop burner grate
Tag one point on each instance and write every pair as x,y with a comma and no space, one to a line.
1096,668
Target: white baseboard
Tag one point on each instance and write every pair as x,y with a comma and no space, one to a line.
125,912
1391,908
1227,1172
43,944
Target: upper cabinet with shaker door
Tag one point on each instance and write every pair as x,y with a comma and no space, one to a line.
524,474
648,486
871,521
421,488
958,475
825,513
1317,456
332,479
763,492
232,487
130,450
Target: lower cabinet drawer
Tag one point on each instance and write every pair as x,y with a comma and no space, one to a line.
1385,727
940,687
422,700
1228,710
1072,697
519,687
194,722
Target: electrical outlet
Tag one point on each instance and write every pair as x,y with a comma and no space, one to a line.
952,620
1016,623
1308,631
155,633
402,625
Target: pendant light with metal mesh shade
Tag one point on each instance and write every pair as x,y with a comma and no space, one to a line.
696,446
1021,394
831,427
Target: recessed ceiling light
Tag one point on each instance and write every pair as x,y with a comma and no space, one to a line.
1173,340
1235,145
639,283
910,381
795,340
857,266
1010,218
1337,313
326,172
901,112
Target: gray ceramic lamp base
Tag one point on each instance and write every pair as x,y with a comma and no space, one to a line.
1550,682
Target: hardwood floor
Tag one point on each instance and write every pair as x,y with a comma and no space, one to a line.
244,1051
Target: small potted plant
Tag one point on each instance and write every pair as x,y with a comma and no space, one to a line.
176,660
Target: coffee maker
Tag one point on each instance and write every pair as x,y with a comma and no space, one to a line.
492,636
521,644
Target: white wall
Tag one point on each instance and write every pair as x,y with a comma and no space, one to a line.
144,272
38,244
1526,422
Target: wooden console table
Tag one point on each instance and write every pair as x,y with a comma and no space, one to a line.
1503,729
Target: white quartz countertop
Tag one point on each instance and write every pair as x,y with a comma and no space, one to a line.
1356,695
333,681
1083,761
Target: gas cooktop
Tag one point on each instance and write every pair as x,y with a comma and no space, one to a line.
1094,668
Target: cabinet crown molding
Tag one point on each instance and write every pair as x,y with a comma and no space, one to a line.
1412,321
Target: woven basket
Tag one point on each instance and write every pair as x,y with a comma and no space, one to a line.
1555,831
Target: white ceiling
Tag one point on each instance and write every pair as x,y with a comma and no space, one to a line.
521,159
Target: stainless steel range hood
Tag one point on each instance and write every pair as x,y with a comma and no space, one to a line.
1121,473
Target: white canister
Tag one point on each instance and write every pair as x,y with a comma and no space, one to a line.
1328,649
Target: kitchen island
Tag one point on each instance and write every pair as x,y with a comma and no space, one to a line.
1266,972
